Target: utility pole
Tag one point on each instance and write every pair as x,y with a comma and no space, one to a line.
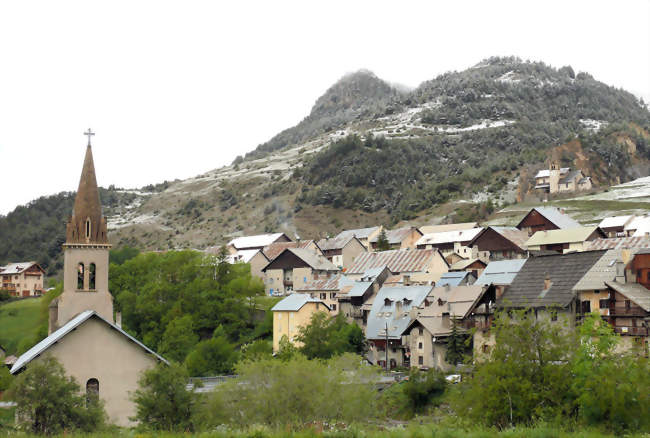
386,346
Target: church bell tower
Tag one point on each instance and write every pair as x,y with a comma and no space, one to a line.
86,250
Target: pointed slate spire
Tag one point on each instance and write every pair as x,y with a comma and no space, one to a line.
87,225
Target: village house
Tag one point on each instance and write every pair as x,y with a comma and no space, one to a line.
254,257
561,180
427,334
450,242
638,227
419,266
275,249
475,266
500,274
258,241
443,228
363,234
387,321
546,219
401,238
105,360
615,226
500,243
291,314
342,251
326,290
563,240
293,269
356,296
22,279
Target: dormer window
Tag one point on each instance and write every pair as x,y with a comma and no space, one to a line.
88,228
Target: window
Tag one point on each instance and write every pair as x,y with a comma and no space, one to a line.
420,331
333,306
627,304
92,390
88,228
323,296
80,276
420,360
419,345
485,348
553,315
332,295
91,277
603,304
586,306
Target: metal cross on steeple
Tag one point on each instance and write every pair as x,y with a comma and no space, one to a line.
89,133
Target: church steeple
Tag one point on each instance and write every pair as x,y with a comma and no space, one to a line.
87,224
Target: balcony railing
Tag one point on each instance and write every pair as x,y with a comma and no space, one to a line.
622,311
631,331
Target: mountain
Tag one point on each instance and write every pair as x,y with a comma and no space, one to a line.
459,146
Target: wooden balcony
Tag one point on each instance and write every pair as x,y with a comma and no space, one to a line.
631,331
622,311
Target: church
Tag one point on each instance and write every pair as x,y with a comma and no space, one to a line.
83,332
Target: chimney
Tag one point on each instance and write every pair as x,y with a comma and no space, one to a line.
620,271
118,319
547,282
625,256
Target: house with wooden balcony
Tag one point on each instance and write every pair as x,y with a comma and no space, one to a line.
546,219
294,268
23,279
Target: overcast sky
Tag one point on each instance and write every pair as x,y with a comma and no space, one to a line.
174,89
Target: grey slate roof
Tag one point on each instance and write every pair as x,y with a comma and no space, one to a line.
570,176
335,243
359,288
382,313
564,271
315,261
634,291
500,272
361,233
59,334
559,219
294,302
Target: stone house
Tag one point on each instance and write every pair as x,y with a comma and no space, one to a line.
387,321
450,242
342,251
417,266
401,238
563,240
326,290
475,266
293,269
546,219
291,314
22,279
558,179
357,296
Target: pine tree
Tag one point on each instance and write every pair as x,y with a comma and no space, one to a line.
382,242
455,347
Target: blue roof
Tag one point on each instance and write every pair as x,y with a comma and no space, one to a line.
383,310
294,302
452,278
501,272
359,288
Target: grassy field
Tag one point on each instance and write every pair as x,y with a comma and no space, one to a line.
18,320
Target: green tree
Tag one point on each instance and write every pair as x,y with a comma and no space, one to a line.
215,356
610,388
162,400
455,345
179,339
49,402
325,337
382,241
422,388
5,378
121,255
526,376
296,392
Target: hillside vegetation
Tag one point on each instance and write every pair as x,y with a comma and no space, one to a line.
460,146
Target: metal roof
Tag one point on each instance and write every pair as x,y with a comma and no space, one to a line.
563,272
338,242
570,235
275,249
501,272
384,310
396,236
446,237
615,221
359,288
59,334
602,271
333,283
243,255
637,223
546,172
456,300
513,234
462,264
294,302
618,242
257,241
397,261
555,216
634,291
315,261
452,278
430,229
360,233
16,268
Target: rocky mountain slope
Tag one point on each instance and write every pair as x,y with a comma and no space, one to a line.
462,145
